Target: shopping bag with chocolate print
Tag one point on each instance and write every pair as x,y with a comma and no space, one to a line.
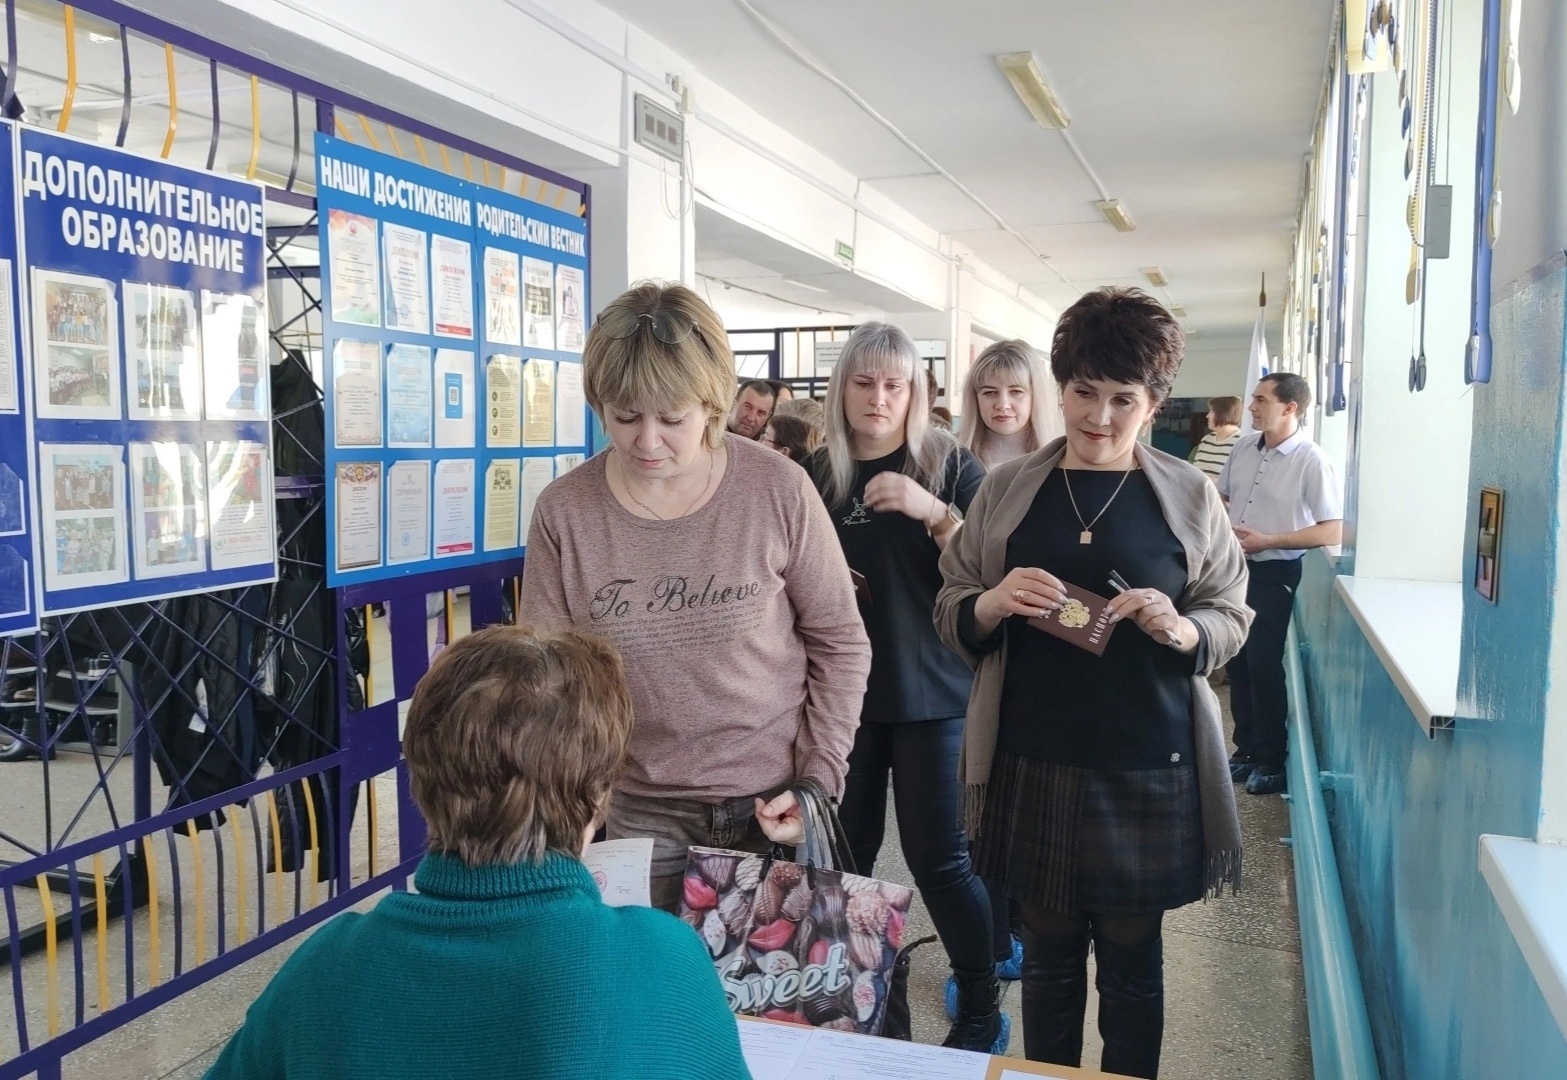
801,942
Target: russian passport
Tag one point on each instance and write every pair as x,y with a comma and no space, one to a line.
1082,620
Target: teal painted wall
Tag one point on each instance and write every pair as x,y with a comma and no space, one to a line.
1449,992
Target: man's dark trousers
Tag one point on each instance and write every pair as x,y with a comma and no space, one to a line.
1258,699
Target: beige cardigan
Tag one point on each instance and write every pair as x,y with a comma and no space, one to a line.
1214,599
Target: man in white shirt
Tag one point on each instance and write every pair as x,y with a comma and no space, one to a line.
1284,500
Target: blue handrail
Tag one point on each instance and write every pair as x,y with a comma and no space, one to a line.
1341,1046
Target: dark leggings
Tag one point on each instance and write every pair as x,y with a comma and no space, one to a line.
1128,930
921,759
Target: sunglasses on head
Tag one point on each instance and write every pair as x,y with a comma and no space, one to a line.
669,326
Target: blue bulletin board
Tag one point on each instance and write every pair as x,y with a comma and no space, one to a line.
18,552
454,320
145,288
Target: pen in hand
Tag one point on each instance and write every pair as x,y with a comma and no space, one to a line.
1118,583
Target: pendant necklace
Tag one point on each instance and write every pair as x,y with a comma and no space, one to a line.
1087,535
625,482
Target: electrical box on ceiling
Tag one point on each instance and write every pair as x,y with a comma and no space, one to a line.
658,129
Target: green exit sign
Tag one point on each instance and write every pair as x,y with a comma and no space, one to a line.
845,251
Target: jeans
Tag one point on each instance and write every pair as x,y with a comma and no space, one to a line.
676,825
1258,698
921,758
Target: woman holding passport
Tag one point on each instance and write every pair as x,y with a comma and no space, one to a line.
896,488
1094,586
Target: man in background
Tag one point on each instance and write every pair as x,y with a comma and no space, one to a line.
753,405
1283,500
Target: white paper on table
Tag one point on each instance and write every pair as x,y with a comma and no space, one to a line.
356,393
503,402
454,508
538,402
771,1050
452,267
538,303
537,473
408,511
454,411
623,871
501,493
571,406
1013,1074
8,396
409,406
502,302
407,260
356,268
837,1055
358,510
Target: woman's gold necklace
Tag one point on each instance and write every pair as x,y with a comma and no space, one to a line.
625,482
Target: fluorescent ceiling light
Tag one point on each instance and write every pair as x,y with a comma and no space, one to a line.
1155,276
1116,214
803,285
1026,79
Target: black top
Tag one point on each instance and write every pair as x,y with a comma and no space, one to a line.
1132,707
913,675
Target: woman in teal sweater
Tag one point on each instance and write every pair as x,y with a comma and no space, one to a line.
506,962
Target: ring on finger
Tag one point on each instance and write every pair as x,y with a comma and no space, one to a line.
1017,594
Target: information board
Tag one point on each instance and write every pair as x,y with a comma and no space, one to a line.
18,531
454,320
145,287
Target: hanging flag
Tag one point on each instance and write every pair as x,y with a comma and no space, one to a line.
1257,362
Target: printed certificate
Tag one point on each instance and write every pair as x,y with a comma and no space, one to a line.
355,267
453,272
356,393
454,507
407,264
407,512
409,411
501,504
358,525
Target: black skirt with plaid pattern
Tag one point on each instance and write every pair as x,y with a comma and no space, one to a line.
1092,841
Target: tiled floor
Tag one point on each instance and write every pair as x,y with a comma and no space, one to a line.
1235,995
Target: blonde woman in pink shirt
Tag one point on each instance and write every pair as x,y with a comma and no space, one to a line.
711,563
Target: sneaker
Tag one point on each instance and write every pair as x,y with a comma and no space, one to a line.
1241,767
1011,969
1265,783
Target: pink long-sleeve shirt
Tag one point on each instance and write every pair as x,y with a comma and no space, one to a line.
743,645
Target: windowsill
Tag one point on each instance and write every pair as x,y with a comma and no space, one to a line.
1416,629
1529,882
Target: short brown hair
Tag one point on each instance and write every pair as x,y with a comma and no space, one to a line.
643,373
1291,389
1121,335
514,737
1226,410
795,434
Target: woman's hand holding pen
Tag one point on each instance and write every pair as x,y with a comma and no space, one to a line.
1026,591
1155,615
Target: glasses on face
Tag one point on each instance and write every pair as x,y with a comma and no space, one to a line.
669,326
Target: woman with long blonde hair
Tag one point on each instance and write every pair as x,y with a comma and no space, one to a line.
895,487
1009,404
